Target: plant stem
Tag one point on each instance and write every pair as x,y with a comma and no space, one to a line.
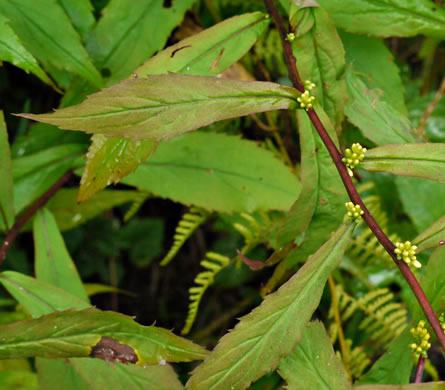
30,211
419,370
430,109
349,185
341,337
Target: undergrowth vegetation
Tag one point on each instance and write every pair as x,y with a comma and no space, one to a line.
229,194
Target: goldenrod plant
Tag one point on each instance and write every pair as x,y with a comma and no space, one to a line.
211,194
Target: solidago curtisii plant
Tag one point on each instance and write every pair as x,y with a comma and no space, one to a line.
305,141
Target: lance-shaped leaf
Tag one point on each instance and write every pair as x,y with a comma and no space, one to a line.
394,366
412,386
417,160
330,197
36,173
95,374
143,28
39,297
47,33
313,363
13,51
384,18
371,58
225,172
433,283
207,53
432,236
321,59
76,333
81,14
6,188
163,106
272,330
69,214
109,160
52,261
377,120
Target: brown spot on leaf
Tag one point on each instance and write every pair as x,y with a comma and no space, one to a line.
322,201
217,59
111,350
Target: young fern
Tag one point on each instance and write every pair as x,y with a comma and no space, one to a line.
213,263
365,247
136,205
253,231
384,319
189,222
358,360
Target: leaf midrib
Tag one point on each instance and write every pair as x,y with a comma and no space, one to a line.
264,335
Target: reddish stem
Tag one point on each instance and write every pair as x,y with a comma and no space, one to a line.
419,370
30,211
349,185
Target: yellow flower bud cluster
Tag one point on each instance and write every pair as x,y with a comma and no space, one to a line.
354,211
422,337
407,252
290,37
306,99
354,156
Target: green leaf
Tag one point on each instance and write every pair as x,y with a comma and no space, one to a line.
435,125
416,160
432,236
377,120
96,288
394,367
300,215
69,213
13,51
217,172
75,333
412,386
39,297
41,136
371,58
11,380
433,283
272,330
47,33
321,59
384,18
211,51
313,363
52,261
207,53
163,106
109,160
97,374
6,188
81,14
36,173
130,32
422,200
329,202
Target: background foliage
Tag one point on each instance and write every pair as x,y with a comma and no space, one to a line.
196,227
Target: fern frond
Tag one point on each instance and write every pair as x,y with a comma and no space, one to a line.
189,222
384,319
253,231
213,263
365,247
136,205
358,360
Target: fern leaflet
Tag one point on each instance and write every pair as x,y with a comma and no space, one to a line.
384,319
186,226
254,232
213,263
